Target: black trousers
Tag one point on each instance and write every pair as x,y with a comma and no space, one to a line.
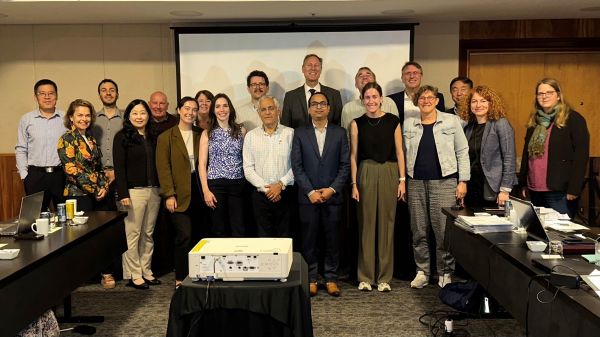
188,231
314,219
272,218
53,185
227,218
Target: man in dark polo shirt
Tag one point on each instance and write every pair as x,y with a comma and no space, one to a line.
162,119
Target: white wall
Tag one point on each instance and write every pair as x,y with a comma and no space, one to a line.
141,59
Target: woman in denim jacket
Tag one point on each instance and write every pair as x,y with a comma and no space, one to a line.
437,166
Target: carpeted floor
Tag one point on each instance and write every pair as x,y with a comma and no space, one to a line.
131,312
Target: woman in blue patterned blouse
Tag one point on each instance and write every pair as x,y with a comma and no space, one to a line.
220,169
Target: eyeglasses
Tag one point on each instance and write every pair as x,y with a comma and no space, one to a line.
318,105
45,94
257,85
427,98
546,94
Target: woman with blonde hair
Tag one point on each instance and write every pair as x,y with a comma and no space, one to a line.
491,148
556,150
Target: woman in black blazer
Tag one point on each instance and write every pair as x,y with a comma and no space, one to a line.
556,151
137,190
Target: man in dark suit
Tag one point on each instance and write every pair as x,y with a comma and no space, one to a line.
295,103
459,88
321,165
412,74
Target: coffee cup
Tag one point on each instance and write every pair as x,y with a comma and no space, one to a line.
41,226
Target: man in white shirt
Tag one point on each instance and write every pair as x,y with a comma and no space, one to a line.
355,108
412,74
258,86
267,167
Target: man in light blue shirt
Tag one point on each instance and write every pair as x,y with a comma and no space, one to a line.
37,140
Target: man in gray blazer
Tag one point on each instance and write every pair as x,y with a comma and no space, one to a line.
295,102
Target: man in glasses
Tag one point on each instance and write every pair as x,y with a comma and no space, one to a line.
412,74
37,139
321,166
258,86
295,103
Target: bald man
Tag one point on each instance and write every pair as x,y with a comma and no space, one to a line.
159,105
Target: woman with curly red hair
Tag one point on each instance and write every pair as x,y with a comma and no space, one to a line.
491,148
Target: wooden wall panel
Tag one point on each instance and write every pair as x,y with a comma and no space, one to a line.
529,29
514,76
11,187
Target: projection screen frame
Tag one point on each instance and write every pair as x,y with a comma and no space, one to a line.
282,27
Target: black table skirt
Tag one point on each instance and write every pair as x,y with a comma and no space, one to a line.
249,308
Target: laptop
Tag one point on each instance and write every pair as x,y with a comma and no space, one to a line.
530,220
31,206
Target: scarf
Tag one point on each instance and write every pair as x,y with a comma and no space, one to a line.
538,138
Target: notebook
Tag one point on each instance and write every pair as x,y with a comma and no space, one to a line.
31,206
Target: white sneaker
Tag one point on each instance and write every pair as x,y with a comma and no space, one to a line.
420,280
364,286
384,287
443,280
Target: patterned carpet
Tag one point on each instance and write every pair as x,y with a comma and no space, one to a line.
131,312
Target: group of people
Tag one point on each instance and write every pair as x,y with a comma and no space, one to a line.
305,158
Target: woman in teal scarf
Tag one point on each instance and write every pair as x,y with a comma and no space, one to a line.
556,151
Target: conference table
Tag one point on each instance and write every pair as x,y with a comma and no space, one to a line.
47,271
502,265
248,308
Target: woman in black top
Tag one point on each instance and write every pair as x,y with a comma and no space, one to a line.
137,188
556,150
378,182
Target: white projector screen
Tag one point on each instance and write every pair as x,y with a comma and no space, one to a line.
220,61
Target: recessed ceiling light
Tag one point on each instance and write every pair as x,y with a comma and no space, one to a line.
185,13
398,12
590,9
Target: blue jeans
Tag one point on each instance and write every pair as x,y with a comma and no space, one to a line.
555,200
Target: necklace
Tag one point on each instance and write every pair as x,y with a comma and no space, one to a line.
376,123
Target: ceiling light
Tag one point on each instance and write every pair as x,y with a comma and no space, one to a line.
185,13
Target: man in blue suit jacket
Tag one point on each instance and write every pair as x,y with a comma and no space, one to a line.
321,165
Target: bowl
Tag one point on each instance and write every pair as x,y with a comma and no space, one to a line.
536,246
80,220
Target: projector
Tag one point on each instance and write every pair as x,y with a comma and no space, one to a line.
239,259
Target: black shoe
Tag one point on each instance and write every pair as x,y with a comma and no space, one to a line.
142,286
154,282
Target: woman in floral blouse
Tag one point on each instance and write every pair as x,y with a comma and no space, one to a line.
80,157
